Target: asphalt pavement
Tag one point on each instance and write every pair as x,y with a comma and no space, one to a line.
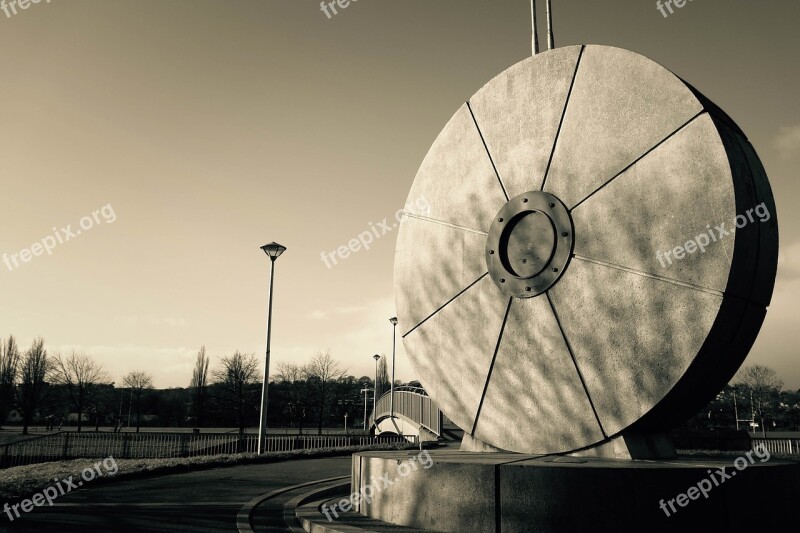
203,501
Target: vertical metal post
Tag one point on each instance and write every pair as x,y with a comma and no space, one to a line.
550,42
65,455
391,385
375,393
262,426
365,390
534,29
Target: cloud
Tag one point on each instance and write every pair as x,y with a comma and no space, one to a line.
319,314
787,141
352,334
789,262
133,321
349,310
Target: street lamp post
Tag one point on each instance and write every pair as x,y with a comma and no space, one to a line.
393,320
375,394
274,251
365,390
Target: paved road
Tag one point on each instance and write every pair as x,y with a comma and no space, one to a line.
190,502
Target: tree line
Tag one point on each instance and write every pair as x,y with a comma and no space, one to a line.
756,399
51,389
35,382
312,396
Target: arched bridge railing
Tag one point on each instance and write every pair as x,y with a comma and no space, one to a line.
411,403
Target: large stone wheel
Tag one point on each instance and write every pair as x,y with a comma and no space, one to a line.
536,298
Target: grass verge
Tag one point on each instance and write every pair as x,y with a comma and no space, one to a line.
23,481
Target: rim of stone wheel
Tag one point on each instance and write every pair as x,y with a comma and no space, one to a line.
577,317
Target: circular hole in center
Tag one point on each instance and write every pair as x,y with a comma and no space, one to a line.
528,244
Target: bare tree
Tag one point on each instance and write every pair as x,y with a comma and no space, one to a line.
293,376
320,372
382,386
32,384
9,363
101,403
764,386
236,375
79,373
199,386
137,382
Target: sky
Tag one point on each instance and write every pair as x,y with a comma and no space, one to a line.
179,136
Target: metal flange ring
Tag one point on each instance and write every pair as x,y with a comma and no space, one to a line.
529,244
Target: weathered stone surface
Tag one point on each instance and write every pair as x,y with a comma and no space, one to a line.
622,105
490,492
678,192
633,336
766,269
463,190
534,400
466,484
434,263
452,351
527,98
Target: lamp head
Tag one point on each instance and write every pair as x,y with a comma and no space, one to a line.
273,250
393,320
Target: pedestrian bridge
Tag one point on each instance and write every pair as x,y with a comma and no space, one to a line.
415,414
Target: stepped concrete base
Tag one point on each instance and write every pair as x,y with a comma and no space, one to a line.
452,491
471,444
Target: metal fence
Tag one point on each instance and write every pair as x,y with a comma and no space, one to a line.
71,445
414,404
786,446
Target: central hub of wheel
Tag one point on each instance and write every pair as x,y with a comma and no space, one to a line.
529,244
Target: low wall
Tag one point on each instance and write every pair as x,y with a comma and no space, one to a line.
490,492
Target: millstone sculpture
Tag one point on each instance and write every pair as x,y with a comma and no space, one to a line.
543,298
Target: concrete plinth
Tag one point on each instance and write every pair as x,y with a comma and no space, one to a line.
490,492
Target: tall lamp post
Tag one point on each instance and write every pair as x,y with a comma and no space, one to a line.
393,320
375,395
274,251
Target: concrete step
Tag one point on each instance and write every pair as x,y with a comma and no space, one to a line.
313,519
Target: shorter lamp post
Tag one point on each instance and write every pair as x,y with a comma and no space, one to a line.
365,390
375,395
393,320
